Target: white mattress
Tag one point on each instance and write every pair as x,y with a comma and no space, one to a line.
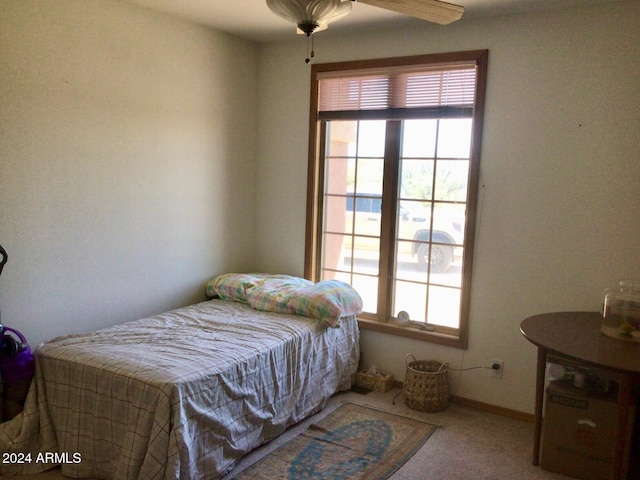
184,394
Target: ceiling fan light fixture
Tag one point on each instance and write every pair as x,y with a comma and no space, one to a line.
308,28
310,15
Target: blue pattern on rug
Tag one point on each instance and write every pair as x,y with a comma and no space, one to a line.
378,438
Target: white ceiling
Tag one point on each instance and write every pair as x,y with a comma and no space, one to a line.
253,20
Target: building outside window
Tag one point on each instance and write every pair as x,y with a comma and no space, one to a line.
393,183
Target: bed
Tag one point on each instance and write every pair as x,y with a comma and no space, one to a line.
187,393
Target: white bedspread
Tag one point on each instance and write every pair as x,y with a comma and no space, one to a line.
184,394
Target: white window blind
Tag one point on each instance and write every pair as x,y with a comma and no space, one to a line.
402,88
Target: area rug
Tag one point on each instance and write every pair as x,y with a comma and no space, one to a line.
353,442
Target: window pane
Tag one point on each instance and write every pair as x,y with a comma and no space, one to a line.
366,223
406,265
434,257
444,306
412,298
451,180
454,138
341,137
444,303
428,233
452,276
414,217
369,176
332,251
340,174
342,276
353,205
367,287
371,135
419,138
365,254
448,223
336,220
416,179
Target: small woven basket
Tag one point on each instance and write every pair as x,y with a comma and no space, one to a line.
379,383
426,384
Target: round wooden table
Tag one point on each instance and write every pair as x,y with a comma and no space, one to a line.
576,336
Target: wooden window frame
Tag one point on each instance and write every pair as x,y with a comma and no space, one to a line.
315,180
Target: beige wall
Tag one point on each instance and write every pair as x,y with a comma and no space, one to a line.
133,167
127,143
560,175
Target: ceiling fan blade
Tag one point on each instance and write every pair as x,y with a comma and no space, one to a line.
434,11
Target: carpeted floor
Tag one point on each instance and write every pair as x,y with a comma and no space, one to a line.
353,441
470,444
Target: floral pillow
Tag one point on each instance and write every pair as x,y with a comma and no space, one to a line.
327,301
272,294
232,286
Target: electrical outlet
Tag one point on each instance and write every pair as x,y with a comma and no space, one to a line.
496,368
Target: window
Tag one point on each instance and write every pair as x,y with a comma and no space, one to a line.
393,181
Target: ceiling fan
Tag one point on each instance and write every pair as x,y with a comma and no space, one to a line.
311,16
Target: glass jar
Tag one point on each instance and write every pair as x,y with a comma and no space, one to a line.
621,312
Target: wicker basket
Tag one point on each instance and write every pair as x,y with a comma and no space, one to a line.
426,384
379,383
